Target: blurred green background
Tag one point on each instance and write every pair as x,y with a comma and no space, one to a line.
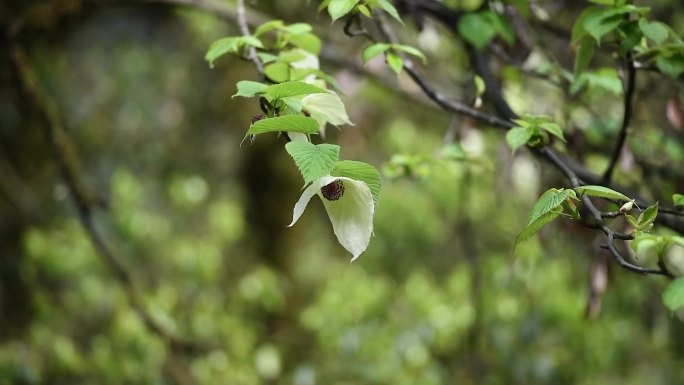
200,222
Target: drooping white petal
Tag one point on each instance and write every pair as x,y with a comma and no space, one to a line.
309,61
313,189
327,107
351,215
297,137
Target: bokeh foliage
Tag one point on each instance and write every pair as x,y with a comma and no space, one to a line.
199,220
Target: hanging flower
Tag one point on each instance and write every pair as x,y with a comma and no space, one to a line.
350,207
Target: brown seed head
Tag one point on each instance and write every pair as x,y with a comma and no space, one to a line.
333,191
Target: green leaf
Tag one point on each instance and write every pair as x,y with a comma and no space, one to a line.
395,62
251,40
453,151
585,52
534,227
476,29
286,89
648,217
364,10
518,136
480,86
632,36
372,51
313,161
672,65
601,21
221,47
642,239
268,26
605,2
229,45
289,123
605,78
339,8
548,202
363,172
410,50
578,30
267,57
553,129
278,72
673,296
654,30
678,199
601,192
597,25
248,89
632,221
306,41
298,28
389,8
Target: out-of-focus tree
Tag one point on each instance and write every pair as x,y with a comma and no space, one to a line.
517,162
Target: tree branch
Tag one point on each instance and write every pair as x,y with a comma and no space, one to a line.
244,29
626,118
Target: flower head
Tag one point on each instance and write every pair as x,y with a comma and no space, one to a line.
350,207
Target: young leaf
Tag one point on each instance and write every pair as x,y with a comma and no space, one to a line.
678,199
642,239
248,89
285,89
278,72
648,217
389,8
229,45
601,192
306,41
548,202
654,30
339,8
313,161
395,62
604,20
364,10
671,65
553,129
410,50
480,86
673,296
293,123
268,26
372,51
632,221
476,29
221,47
518,136
585,52
298,28
578,30
534,227
363,172
600,23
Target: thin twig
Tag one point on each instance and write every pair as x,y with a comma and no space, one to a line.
546,152
626,118
244,28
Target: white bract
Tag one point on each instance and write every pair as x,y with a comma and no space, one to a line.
350,211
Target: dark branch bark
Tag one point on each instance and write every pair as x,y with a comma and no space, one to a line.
626,118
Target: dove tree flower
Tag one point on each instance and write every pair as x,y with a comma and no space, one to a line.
350,207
